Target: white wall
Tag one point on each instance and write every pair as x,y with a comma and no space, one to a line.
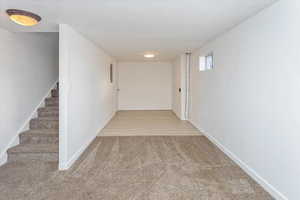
249,104
29,67
145,85
179,81
86,94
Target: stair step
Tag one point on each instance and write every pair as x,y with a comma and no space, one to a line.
33,152
49,108
44,123
34,148
53,106
40,143
39,136
54,93
52,101
48,112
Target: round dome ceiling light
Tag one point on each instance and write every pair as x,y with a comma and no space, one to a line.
23,17
149,55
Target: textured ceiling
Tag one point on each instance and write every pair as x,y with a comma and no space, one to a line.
127,28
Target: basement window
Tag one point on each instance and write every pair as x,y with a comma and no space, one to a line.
206,62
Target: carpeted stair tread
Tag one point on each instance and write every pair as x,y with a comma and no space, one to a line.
54,93
40,136
44,123
52,106
49,108
52,101
34,132
46,118
48,112
34,148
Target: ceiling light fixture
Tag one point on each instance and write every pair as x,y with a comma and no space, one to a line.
23,17
149,55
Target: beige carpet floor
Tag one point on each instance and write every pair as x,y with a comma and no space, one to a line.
148,123
135,168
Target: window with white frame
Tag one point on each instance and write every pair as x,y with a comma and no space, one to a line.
206,62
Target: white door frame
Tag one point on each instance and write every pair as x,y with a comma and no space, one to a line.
187,85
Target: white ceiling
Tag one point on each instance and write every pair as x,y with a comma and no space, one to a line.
127,28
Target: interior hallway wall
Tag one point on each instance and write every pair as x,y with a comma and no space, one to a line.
145,85
86,94
249,103
28,69
179,82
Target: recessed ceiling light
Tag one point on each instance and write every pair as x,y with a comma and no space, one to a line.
149,55
23,17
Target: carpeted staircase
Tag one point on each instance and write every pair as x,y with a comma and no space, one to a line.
40,142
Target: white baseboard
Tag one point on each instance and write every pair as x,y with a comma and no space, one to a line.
69,163
144,108
178,116
24,127
251,172
105,123
3,159
12,143
75,157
